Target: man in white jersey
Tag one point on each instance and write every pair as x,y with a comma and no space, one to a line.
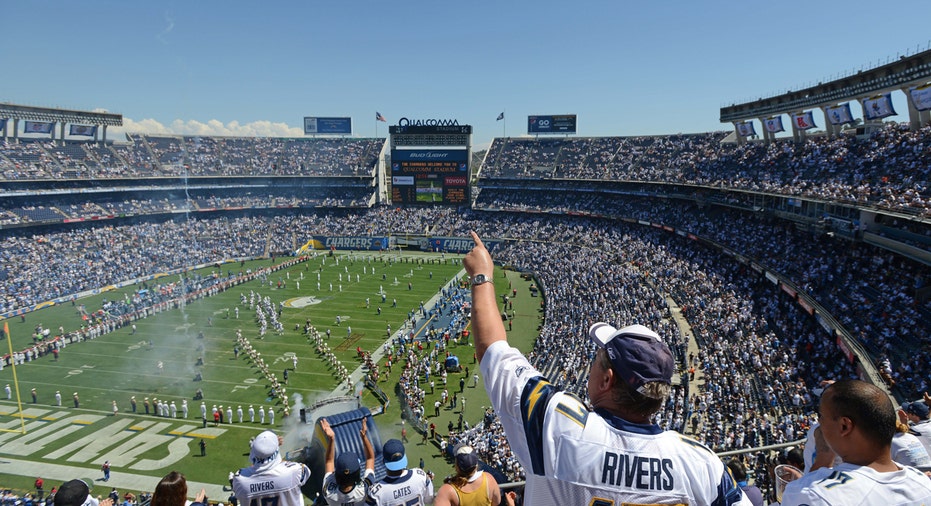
269,480
400,486
857,423
344,484
606,455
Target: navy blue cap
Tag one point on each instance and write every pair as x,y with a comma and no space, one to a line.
394,455
637,353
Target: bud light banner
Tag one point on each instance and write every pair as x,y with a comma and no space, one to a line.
454,244
840,114
878,107
565,124
356,243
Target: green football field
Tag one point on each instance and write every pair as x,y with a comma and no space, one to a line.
122,364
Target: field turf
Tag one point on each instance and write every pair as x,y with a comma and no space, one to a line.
121,364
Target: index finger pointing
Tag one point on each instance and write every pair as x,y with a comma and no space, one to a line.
478,242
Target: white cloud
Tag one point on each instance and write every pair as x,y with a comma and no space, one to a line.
212,127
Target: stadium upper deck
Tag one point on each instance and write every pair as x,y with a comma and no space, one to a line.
889,169
177,156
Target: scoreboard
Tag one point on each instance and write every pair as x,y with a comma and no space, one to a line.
430,176
561,124
430,165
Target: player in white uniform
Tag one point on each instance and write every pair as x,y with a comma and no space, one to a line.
343,483
608,455
270,480
858,423
401,486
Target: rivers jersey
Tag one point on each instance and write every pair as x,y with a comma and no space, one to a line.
412,488
275,485
853,485
575,456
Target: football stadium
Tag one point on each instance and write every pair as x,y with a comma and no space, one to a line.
167,298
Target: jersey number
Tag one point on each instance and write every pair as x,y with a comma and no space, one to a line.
266,501
838,477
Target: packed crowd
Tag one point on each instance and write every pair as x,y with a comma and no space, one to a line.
888,170
159,156
876,304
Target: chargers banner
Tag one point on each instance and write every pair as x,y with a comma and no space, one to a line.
358,243
87,130
803,120
453,244
745,129
37,127
774,124
878,107
840,114
921,97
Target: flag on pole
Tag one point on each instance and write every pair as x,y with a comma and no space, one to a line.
500,117
379,117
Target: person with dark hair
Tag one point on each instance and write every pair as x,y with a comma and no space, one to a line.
172,491
739,472
795,458
76,493
469,486
857,424
341,483
611,452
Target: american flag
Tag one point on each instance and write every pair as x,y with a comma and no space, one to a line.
379,117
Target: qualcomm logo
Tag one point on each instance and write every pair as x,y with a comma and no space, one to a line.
427,122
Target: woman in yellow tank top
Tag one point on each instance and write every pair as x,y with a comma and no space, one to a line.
469,486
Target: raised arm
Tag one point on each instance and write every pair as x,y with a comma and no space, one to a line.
486,321
367,447
330,466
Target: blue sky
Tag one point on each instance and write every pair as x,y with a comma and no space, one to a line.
257,68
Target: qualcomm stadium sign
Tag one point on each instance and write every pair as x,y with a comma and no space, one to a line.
404,122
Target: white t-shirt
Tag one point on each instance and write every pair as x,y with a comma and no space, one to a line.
278,484
923,428
356,496
412,488
908,450
853,485
576,456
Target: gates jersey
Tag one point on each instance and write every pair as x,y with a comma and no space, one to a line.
275,485
412,488
853,485
575,456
